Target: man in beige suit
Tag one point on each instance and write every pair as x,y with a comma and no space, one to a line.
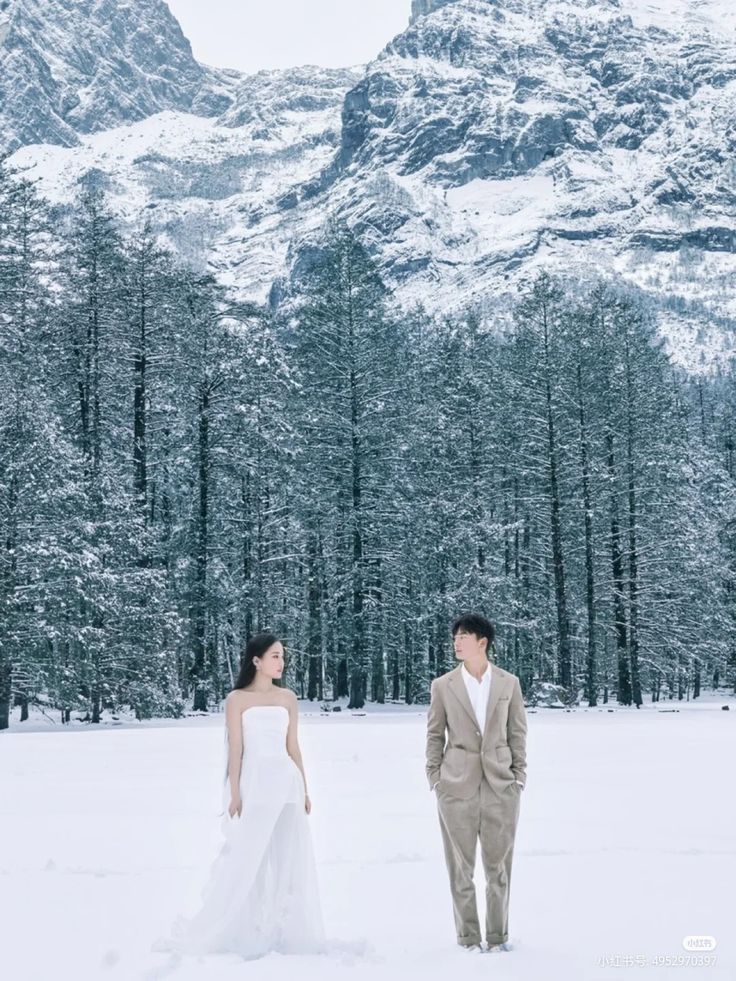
476,764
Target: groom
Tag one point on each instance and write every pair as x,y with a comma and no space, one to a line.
478,776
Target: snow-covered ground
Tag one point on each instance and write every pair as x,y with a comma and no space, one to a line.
626,844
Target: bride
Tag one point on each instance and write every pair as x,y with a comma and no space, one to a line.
262,892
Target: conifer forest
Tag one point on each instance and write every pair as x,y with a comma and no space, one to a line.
179,470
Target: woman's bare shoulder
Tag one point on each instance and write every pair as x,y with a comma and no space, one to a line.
236,697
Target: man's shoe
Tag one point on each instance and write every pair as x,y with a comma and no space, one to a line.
494,948
473,948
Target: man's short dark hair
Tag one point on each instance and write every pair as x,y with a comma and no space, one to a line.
476,623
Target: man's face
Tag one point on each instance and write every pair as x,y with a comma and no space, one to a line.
469,646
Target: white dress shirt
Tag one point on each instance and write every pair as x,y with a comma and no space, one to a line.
478,692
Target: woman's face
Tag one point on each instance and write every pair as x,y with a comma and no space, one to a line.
271,663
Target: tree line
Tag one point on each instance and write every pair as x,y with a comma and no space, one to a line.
179,470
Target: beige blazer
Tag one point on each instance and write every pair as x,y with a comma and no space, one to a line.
460,760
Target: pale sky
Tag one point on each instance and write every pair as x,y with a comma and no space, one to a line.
254,34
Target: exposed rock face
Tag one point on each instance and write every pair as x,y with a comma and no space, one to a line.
494,135
229,193
492,88
269,96
421,7
69,67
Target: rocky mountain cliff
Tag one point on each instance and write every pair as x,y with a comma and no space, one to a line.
488,138
495,135
70,67
421,7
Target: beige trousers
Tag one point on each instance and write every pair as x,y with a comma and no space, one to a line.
490,817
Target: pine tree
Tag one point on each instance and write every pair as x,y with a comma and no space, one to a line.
346,350
538,318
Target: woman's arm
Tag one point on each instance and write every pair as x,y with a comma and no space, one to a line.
233,719
292,743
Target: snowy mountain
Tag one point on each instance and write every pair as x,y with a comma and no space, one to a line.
222,189
489,137
584,133
70,67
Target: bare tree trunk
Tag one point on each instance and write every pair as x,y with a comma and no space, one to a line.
633,561
358,674
409,644
564,665
617,566
140,449
6,673
591,681
199,610
314,616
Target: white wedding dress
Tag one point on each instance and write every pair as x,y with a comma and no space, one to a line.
262,891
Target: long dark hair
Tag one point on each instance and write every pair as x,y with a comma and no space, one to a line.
257,646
